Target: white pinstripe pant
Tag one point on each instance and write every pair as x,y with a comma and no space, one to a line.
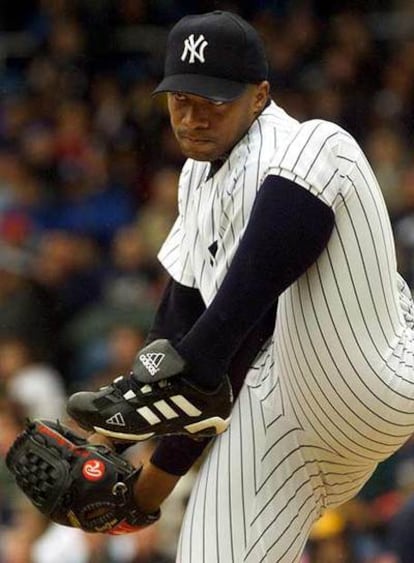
260,489
264,483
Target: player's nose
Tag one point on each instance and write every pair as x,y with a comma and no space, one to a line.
195,117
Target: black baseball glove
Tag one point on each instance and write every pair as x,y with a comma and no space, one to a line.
75,483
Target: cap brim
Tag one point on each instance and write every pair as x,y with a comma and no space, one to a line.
213,88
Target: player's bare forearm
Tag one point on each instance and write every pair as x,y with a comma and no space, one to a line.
153,487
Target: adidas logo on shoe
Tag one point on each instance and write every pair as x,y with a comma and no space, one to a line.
152,361
116,420
157,361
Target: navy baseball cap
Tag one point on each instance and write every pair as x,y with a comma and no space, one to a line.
213,55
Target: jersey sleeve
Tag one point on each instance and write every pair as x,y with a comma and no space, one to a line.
318,157
174,254
175,257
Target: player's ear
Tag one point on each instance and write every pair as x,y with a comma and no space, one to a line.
262,92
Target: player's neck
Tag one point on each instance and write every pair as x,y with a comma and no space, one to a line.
216,164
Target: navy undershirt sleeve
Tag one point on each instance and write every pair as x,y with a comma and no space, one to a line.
287,230
179,308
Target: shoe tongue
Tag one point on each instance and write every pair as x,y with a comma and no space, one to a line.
159,360
124,384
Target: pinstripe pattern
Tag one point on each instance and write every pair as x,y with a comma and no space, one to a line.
217,209
332,394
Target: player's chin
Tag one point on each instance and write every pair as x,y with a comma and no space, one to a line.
204,151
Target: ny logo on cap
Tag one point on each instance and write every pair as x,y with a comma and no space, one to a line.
194,48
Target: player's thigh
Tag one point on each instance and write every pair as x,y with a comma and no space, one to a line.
353,390
259,490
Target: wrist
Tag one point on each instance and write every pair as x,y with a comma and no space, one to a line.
153,486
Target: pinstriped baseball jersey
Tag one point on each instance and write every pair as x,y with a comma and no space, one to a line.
214,211
332,393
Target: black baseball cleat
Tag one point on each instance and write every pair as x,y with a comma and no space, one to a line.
130,410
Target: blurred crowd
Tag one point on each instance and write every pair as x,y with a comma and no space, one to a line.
88,185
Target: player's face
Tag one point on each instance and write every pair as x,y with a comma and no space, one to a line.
207,130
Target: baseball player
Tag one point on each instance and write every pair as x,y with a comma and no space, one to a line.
274,215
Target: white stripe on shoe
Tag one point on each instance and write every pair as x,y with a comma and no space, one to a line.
185,405
149,415
165,409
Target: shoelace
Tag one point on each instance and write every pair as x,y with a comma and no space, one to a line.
122,385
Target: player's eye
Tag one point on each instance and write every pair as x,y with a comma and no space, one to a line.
179,97
216,103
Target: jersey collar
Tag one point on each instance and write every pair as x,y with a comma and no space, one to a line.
215,165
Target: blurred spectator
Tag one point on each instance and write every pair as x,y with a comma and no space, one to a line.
33,384
21,193
67,268
11,422
129,287
388,155
158,215
101,355
20,522
403,224
38,150
401,537
328,541
109,109
24,310
133,271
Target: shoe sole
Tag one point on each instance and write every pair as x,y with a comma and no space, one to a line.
203,429
216,422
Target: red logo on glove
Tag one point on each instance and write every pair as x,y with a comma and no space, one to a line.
93,470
